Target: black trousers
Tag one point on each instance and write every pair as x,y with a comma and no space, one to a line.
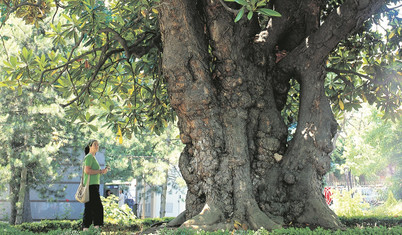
93,212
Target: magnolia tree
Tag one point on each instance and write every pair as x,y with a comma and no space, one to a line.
33,134
238,75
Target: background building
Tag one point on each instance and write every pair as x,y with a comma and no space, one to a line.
69,208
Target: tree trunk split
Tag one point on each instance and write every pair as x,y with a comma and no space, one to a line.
238,165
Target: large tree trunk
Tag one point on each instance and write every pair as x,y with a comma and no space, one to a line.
27,215
15,179
162,211
143,207
21,196
228,88
14,189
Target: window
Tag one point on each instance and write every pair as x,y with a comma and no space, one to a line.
169,207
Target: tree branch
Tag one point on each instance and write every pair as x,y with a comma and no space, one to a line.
71,80
133,49
138,52
119,38
5,19
228,8
69,61
339,71
58,4
339,24
97,69
5,49
55,12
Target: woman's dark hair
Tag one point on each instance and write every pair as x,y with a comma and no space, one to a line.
87,147
86,150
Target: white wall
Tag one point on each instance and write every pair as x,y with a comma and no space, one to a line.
175,203
69,208
55,208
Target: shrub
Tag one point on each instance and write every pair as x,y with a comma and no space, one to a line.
356,225
391,207
371,221
287,231
114,214
7,229
49,225
349,203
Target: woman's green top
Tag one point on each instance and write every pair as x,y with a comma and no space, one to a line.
91,161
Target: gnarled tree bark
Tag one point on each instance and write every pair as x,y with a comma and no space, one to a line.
228,83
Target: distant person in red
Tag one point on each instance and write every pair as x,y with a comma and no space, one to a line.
328,195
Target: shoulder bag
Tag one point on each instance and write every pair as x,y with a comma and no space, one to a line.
82,194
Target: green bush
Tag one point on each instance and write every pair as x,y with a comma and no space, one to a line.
391,207
356,225
50,225
371,221
287,231
349,203
7,229
47,226
113,214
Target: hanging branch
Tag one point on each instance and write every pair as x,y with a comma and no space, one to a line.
228,8
103,59
5,49
339,71
119,38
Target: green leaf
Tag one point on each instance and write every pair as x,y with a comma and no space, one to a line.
391,35
18,76
53,27
91,118
239,15
25,53
13,61
19,90
261,3
341,105
250,15
241,2
93,128
67,17
268,12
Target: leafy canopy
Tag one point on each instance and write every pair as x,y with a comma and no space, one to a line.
104,56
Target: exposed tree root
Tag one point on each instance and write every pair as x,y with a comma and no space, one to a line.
212,219
208,216
179,220
317,213
258,219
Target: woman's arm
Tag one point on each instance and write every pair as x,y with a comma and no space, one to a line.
89,171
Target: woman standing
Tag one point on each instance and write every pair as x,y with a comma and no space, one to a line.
93,213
